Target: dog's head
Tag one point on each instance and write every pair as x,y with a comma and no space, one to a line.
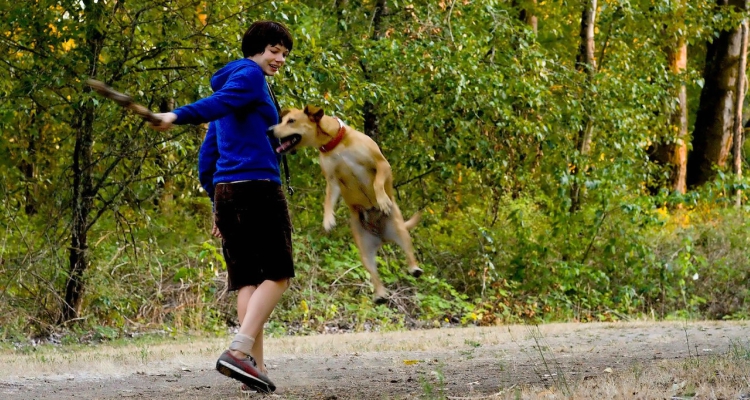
298,128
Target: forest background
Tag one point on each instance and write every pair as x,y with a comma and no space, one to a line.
572,160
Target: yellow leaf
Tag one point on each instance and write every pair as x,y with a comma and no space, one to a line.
69,44
411,362
202,16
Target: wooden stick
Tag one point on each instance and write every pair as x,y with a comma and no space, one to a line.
123,100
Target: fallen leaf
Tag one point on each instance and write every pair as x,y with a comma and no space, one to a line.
411,362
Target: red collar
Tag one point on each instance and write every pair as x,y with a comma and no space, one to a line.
336,140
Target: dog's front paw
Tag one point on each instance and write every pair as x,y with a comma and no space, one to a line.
329,222
385,204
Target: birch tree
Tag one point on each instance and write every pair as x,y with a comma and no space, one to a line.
585,63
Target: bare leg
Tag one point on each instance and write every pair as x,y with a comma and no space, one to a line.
261,302
243,297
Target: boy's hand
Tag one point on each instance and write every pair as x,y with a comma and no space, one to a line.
166,121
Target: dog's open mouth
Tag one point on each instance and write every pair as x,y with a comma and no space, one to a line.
288,143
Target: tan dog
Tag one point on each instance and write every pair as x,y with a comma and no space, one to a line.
356,170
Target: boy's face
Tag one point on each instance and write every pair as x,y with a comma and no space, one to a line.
271,59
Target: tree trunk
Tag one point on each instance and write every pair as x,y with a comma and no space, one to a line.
585,62
679,119
712,133
28,168
674,153
83,196
526,15
82,204
164,187
738,136
369,112
377,20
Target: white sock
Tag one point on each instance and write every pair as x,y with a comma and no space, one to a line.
242,343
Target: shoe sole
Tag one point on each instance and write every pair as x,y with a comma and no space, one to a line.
235,373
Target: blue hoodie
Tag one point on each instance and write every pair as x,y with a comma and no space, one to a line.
239,112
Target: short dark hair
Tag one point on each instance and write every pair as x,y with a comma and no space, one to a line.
263,33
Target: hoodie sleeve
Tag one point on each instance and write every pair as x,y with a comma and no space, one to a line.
243,87
207,158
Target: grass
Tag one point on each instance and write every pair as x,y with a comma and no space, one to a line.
719,376
716,377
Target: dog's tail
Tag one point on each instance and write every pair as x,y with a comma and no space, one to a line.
413,221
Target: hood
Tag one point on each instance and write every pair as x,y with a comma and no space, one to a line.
220,77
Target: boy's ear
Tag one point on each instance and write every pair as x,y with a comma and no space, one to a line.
284,112
314,112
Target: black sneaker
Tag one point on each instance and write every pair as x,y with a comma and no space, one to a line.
244,370
244,389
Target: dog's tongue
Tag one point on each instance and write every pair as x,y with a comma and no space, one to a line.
283,147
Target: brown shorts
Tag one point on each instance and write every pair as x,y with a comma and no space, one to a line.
256,231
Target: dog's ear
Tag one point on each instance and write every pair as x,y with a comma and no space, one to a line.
314,112
284,112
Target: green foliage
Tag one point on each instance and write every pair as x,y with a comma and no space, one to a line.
477,114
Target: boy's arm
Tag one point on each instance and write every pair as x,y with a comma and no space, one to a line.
242,88
207,158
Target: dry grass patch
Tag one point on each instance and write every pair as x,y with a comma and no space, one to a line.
107,360
157,355
725,376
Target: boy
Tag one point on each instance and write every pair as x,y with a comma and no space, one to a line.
239,169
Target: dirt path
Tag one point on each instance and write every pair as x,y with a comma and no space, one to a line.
462,362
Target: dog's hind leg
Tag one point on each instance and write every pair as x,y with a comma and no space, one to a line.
368,245
396,231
